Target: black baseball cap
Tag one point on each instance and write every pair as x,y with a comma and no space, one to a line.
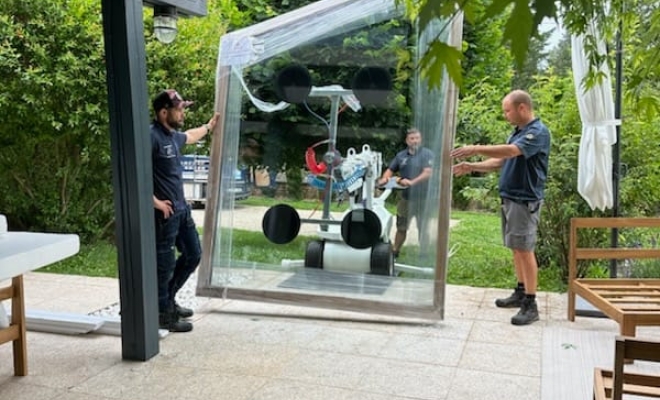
168,99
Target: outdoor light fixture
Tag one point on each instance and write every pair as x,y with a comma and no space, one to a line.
165,23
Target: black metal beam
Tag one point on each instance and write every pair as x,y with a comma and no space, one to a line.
131,168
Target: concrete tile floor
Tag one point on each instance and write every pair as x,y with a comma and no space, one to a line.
253,351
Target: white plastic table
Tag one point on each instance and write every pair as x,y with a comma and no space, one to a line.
21,252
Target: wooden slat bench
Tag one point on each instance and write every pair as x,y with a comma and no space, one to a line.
630,302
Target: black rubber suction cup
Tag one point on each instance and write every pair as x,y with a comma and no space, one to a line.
361,228
281,224
372,85
293,84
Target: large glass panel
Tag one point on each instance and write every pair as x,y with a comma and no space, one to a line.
315,106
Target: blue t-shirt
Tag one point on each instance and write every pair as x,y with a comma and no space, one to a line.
523,178
166,164
409,166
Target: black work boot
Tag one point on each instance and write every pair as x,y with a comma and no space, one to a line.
170,321
183,312
513,301
527,314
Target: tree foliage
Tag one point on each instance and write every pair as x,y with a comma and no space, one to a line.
636,20
485,60
54,171
559,58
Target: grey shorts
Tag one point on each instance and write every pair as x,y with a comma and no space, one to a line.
520,223
406,210
403,216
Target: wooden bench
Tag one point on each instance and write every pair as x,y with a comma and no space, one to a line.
629,302
614,384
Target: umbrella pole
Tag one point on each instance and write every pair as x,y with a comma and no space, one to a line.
616,168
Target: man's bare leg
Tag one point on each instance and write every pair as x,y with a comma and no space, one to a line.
526,269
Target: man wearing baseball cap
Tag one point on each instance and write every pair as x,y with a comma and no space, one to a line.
174,223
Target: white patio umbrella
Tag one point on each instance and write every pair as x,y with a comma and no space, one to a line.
598,126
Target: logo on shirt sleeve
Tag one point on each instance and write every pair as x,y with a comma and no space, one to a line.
169,151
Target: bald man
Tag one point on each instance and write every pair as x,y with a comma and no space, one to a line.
523,162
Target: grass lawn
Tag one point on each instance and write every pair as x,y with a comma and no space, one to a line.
479,258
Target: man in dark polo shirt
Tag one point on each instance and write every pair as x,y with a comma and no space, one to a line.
414,166
174,223
524,168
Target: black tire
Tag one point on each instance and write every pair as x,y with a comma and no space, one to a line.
382,259
314,254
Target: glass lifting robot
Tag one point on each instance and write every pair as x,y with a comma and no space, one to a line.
359,242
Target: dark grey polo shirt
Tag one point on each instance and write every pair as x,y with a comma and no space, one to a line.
522,178
166,161
409,166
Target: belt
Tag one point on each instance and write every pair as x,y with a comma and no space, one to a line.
520,201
